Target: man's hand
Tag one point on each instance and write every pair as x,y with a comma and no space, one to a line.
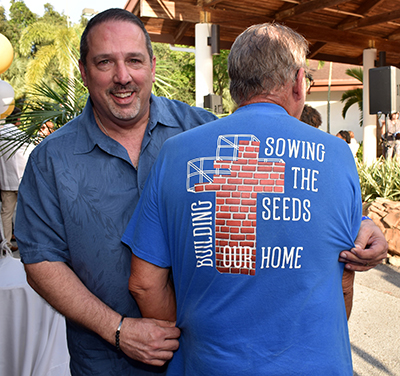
148,340
370,248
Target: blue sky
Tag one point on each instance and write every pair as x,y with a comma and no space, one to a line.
73,8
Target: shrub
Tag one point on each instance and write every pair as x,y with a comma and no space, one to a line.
381,179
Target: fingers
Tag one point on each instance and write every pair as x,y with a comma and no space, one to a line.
370,250
360,260
170,334
150,341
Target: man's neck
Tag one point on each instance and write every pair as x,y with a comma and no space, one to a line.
130,137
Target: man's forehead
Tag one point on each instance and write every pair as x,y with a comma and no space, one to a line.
111,36
121,28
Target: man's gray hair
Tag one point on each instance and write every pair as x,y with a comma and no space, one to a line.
263,59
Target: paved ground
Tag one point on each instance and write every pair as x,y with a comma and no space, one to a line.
375,322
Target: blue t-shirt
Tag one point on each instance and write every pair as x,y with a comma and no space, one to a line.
75,200
251,213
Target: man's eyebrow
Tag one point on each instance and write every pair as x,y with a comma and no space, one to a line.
108,56
136,54
101,57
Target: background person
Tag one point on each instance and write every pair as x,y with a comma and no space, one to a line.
392,136
254,290
344,135
354,145
311,116
12,166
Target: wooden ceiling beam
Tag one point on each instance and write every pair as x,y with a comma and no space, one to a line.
179,11
373,20
345,38
315,48
232,24
180,32
133,6
368,5
309,6
363,10
395,35
210,3
338,59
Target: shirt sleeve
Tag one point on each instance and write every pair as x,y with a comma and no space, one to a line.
144,234
39,227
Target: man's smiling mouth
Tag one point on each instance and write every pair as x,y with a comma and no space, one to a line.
123,95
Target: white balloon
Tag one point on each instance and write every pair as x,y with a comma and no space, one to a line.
6,96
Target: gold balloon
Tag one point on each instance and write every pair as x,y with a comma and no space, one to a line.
6,53
8,111
6,98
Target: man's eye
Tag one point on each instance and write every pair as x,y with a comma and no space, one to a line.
104,62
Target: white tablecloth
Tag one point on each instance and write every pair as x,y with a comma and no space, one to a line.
32,334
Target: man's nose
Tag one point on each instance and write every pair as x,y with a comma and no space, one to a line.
122,75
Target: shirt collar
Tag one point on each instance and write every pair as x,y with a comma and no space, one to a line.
89,134
160,114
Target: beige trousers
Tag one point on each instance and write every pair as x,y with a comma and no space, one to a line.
8,203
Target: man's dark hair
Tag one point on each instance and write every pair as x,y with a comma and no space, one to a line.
311,116
113,14
16,111
345,135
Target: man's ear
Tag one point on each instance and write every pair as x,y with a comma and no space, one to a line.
298,94
153,69
298,86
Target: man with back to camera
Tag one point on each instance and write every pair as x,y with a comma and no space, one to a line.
80,189
249,214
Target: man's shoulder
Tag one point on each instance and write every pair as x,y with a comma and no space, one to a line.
177,112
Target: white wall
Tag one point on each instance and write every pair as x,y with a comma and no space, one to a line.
319,99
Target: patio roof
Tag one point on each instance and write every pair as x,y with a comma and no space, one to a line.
338,30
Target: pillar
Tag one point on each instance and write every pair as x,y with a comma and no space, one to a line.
369,121
204,63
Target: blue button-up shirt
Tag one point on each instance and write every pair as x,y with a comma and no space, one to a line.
76,198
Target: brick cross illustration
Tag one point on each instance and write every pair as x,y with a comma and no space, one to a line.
236,175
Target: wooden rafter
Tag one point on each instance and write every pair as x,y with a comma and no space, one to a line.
362,11
171,21
315,48
180,32
373,20
210,3
310,6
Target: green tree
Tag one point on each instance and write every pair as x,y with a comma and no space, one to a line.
20,17
52,16
353,96
221,81
49,44
51,108
174,74
5,27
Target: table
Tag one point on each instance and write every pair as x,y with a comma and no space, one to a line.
33,337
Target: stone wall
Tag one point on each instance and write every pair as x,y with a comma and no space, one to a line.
386,214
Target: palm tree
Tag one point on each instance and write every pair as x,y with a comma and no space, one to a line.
46,108
353,96
51,47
